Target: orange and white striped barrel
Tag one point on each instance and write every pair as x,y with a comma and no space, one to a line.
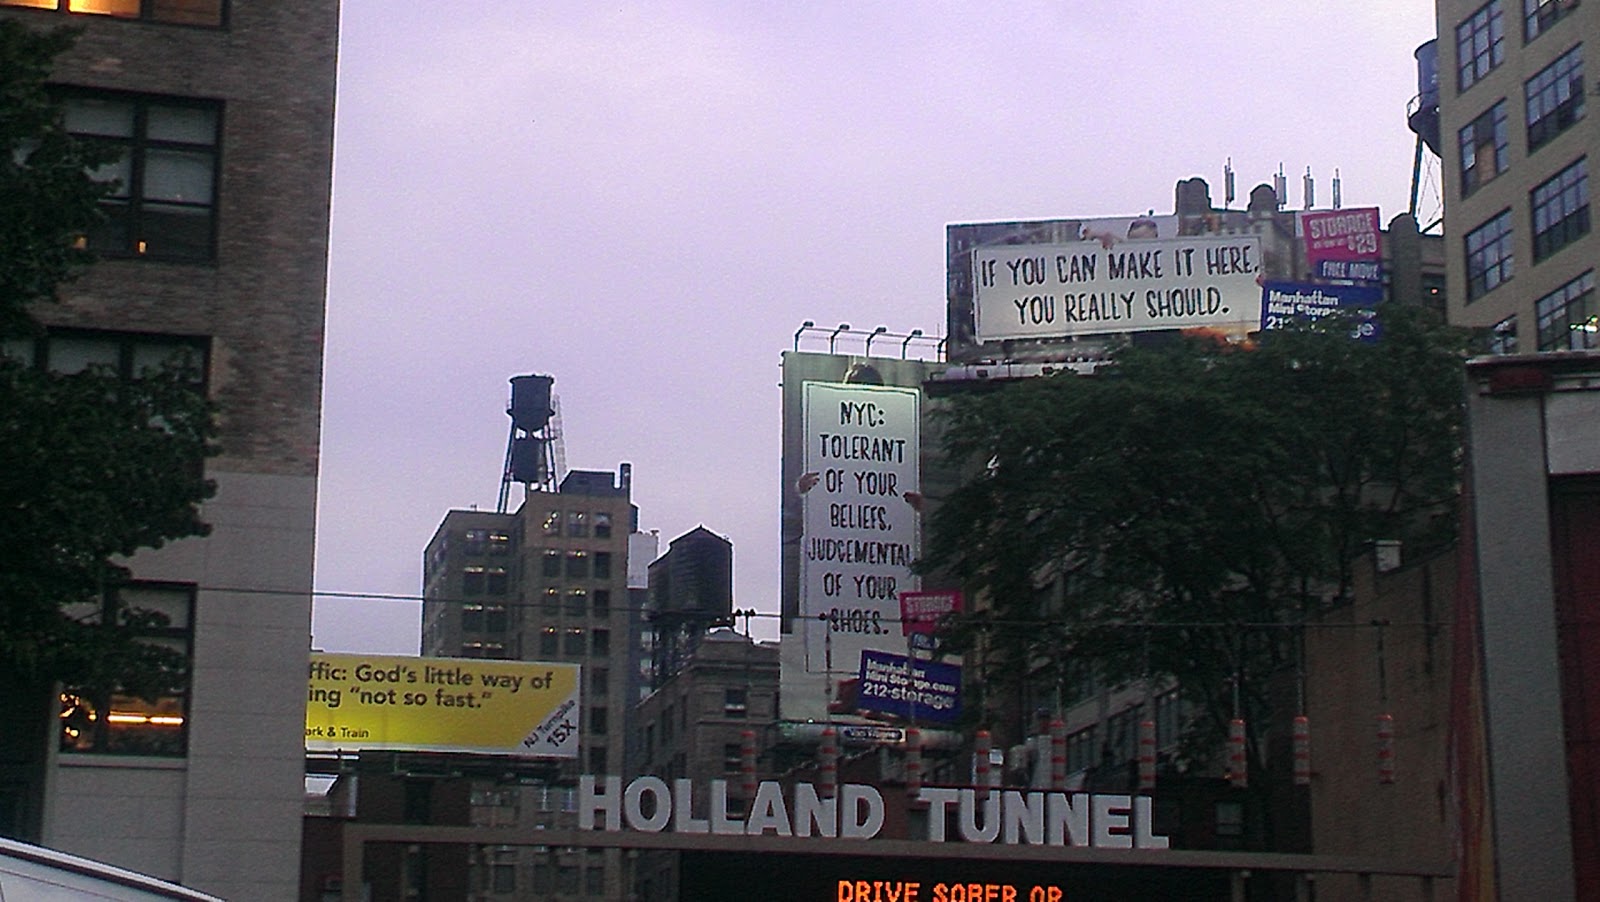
1238,767
1147,754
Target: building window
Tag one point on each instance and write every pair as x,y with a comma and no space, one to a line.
1484,148
573,646
499,543
483,650
477,541
1081,750
1488,255
577,603
577,524
549,642
551,524
599,722
472,618
164,202
735,702
598,677
602,603
128,355
602,565
602,525
173,12
552,563
552,602
1230,819
602,642
577,564
1503,336
597,760
594,875
1554,98
1567,316
1480,44
1539,15
1560,209
496,619
472,580
496,581
503,871
732,758
104,718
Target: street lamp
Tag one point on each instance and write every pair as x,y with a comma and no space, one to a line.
875,333
915,333
843,327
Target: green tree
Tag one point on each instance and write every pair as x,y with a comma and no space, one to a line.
1172,515
94,465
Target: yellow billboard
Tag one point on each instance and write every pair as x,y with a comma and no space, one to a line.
442,705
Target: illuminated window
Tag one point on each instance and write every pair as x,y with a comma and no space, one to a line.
1539,15
577,603
499,543
549,642
577,564
164,202
472,580
735,702
574,643
1568,318
496,581
1480,44
577,524
1560,209
104,718
175,12
552,562
551,524
1554,98
1484,148
1488,255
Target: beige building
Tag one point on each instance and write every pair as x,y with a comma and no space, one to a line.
215,245
1514,141
546,583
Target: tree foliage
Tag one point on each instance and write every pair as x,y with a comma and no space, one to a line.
1168,515
94,465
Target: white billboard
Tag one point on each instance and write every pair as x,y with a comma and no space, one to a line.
859,486
1109,285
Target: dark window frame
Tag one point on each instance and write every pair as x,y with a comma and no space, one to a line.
82,707
1559,329
1490,257
1480,44
141,220
1553,98
1488,135
1558,209
1539,15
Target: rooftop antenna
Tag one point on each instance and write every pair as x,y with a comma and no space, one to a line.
1310,190
1280,187
1227,184
1337,199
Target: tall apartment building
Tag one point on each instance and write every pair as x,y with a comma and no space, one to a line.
1515,144
546,583
216,244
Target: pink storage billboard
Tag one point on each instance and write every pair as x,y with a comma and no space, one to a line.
1337,239
920,612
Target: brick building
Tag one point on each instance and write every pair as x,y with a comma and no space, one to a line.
215,244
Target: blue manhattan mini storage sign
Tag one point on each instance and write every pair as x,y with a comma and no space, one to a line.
922,691
1283,303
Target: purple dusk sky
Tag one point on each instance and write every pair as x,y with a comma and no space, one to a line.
646,200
